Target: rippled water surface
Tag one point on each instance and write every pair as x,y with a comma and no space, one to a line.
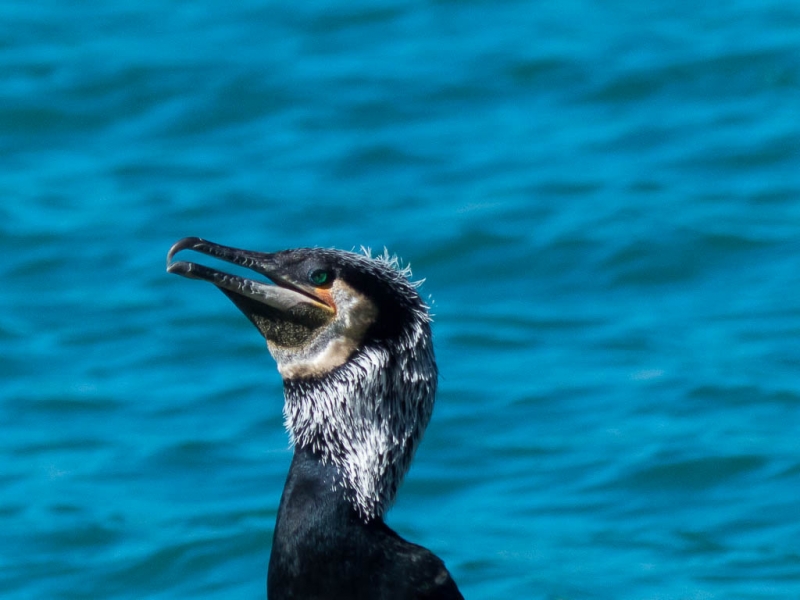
604,199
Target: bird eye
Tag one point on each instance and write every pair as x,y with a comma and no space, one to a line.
318,276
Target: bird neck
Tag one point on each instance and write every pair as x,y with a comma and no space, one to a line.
315,522
366,418
313,488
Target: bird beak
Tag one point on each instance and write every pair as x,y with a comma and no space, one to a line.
288,306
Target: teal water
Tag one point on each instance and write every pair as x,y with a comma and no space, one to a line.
604,199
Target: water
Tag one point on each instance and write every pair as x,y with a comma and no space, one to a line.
603,198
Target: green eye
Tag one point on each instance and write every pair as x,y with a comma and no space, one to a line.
318,276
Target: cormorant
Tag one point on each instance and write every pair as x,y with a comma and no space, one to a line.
352,340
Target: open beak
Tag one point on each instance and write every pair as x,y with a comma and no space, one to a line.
267,306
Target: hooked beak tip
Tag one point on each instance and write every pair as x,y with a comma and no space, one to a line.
182,244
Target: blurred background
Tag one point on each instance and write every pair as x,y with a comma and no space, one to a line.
603,198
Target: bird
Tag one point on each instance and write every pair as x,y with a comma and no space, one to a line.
351,338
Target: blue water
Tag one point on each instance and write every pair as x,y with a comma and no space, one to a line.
604,199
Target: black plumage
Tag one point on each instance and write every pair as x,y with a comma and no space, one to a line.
323,550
